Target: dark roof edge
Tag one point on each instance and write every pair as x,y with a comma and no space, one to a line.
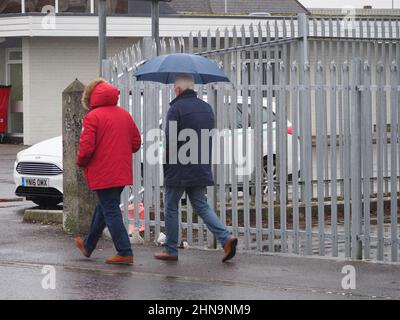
181,15
304,8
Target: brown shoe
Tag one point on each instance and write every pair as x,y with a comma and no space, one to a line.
120,260
165,256
81,246
230,248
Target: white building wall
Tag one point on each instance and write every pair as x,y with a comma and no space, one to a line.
50,65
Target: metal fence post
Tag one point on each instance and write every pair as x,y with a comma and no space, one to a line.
346,160
124,103
334,167
394,128
294,88
380,136
211,240
302,21
320,114
356,161
155,24
282,160
367,154
270,176
102,33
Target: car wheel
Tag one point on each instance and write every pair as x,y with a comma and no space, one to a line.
265,172
47,203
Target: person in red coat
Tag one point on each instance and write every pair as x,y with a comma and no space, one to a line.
108,139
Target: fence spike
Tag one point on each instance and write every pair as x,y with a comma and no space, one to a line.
284,28
366,66
181,45
199,42
276,27
393,66
294,66
282,67
259,30
320,66
234,31
380,66
226,33
172,45
191,41
332,66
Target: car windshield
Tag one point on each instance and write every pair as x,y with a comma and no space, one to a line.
239,117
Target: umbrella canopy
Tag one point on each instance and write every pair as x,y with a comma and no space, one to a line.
165,68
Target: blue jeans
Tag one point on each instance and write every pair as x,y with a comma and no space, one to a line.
108,213
198,199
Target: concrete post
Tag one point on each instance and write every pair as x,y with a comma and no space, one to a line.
79,201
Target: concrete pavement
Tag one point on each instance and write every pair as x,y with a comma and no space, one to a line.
7,158
199,274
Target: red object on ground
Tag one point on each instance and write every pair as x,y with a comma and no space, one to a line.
5,93
132,216
108,139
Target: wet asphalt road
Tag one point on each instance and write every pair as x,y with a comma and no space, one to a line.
23,281
26,248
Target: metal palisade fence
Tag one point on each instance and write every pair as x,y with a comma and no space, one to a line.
308,136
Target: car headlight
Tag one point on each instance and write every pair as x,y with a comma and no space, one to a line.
18,157
15,166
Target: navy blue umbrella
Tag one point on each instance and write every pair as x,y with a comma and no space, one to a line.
165,68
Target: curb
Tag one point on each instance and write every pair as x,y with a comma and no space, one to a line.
43,216
11,200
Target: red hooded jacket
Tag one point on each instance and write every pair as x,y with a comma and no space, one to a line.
108,139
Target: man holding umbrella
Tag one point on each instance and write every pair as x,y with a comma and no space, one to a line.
187,112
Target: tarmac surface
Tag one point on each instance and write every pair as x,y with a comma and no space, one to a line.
25,249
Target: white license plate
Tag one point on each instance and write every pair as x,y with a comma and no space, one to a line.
35,182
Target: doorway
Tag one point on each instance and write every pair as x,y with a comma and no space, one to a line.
14,78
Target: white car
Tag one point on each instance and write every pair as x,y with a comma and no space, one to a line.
38,173
250,141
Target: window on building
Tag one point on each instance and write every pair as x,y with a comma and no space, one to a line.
39,5
14,78
115,7
10,6
75,6
15,56
15,6
133,7
139,7
118,7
